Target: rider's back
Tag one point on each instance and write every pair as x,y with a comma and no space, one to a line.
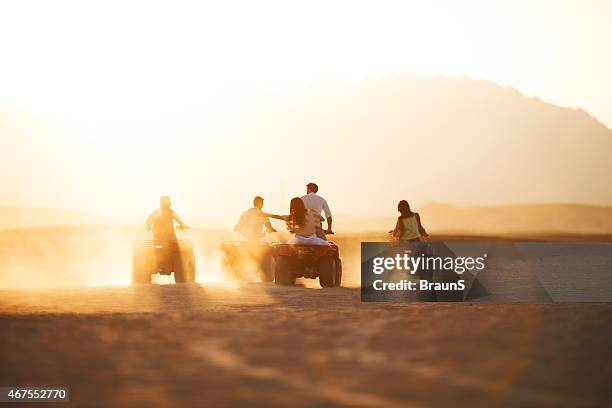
251,224
162,224
410,228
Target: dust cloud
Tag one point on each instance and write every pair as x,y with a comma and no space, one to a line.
89,256
100,255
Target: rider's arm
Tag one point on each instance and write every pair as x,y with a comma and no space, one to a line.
268,225
239,225
329,225
328,217
275,216
178,219
421,229
397,232
150,221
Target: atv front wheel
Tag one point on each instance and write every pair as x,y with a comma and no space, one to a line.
183,262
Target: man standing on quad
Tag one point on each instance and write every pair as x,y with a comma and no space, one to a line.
318,204
251,222
161,221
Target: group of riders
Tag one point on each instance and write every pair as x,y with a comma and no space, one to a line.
305,221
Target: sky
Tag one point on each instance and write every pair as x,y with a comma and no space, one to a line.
109,60
129,74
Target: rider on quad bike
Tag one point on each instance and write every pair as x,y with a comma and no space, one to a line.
165,254
253,252
302,222
161,221
251,222
317,204
307,254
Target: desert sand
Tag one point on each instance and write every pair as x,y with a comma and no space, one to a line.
221,343
258,344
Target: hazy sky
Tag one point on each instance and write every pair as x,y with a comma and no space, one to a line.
124,72
111,60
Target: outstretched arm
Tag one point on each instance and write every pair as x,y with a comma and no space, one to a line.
421,229
178,219
275,216
150,221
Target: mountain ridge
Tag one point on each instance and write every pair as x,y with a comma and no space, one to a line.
367,143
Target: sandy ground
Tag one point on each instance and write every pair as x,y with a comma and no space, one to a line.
262,345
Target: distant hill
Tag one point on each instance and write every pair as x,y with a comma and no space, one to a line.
453,140
509,219
368,144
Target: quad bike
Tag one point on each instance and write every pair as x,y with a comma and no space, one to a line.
240,257
163,257
308,261
422,248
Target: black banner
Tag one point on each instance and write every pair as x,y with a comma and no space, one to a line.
486,271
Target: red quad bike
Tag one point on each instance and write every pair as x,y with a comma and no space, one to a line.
240,257
308,261
163,257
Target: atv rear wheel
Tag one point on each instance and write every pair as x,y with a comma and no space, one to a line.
141,271
183,264
186,271
226,266
179,277
189,268
266,269
338,279
282,273
327,272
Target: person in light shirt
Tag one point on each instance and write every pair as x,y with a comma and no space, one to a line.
318,204
252,221
408,226
301,222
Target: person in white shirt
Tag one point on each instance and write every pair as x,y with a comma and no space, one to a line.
303,223
318,204
251,222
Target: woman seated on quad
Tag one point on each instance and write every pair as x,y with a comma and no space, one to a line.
408,226
302,223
